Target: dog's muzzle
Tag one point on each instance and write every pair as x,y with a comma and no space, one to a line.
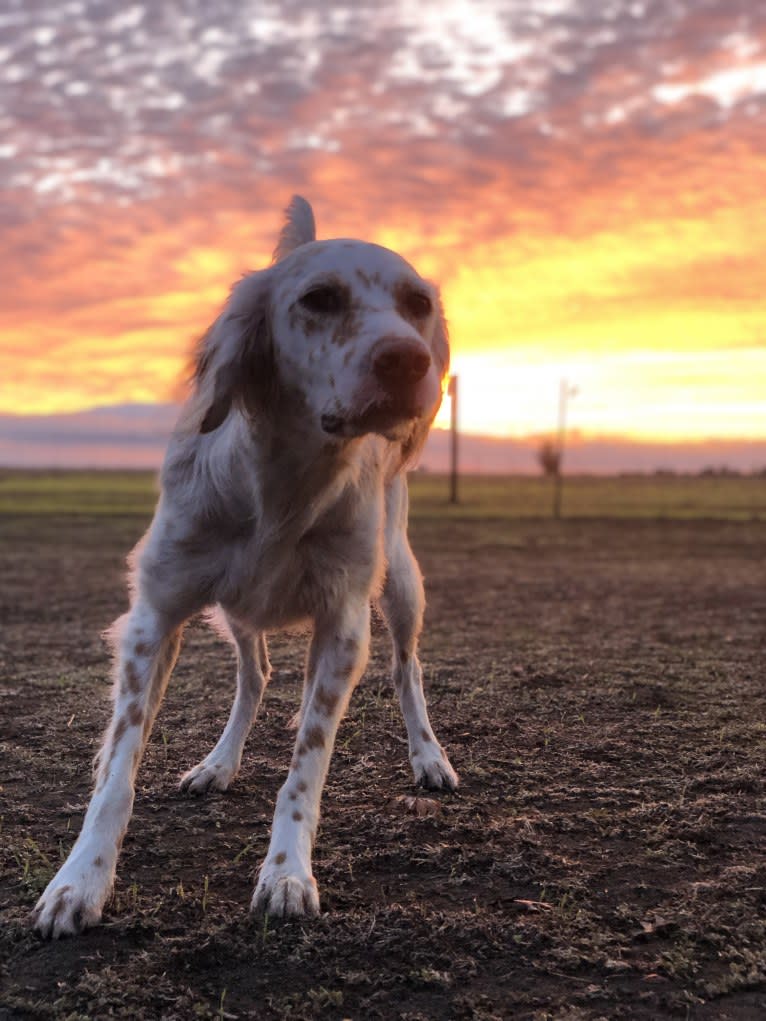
394,394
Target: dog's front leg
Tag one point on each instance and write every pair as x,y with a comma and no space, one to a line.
75,897
340,646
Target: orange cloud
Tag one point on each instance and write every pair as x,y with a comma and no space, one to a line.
579,223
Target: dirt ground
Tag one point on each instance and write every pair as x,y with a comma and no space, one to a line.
600,688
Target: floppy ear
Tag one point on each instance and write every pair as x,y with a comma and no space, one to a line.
440,340
413,445
298,230
235,364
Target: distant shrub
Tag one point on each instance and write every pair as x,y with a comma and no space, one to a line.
720,471
549,458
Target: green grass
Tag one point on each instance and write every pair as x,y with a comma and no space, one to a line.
499,497
630,496
77,492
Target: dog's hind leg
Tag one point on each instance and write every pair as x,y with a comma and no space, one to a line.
146,646
403,602
216,771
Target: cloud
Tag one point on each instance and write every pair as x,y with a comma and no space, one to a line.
565,168
107,103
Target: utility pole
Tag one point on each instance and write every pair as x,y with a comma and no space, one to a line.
565,392
452,394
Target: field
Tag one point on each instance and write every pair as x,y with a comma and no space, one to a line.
598,682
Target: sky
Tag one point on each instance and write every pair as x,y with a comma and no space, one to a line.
583,178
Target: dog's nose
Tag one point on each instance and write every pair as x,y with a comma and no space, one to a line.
401,362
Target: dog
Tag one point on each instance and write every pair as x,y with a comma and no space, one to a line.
283,499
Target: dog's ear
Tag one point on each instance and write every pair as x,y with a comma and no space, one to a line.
298,230
244,379
440,340
235,364
413,445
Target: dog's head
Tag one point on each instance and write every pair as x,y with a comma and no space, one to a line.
345,330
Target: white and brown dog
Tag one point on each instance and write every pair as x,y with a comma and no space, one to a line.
284,499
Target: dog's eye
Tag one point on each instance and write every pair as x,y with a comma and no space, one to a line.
417,304
325,300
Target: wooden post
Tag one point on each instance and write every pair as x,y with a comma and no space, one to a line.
452,393
565,392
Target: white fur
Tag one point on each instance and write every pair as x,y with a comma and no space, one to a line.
284,498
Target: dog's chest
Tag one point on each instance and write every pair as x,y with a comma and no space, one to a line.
293,578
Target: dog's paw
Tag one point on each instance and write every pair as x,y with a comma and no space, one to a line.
284,895
73,901
207,776
433,770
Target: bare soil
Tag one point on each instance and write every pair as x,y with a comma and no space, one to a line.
600,688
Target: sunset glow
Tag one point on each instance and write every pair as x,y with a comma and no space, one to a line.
584,181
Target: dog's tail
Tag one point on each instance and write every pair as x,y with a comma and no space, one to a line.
298,230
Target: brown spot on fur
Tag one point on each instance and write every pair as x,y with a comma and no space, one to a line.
311,325
119,730
351,645
280,858
301,749
302,786
347,326
326,700
297,816
315,738
98,862
425,735
292,796
135,714
132,678
141,649
404,655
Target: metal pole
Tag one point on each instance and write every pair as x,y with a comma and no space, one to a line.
565,392
452,393
557,480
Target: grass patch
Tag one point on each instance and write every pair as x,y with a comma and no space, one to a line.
481,497
77,492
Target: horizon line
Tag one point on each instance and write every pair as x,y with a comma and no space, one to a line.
574,435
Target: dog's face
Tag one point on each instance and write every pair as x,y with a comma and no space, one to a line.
359,335
343,336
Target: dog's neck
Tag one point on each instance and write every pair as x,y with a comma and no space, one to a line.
303,476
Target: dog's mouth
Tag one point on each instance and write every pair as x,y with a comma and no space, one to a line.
387,417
